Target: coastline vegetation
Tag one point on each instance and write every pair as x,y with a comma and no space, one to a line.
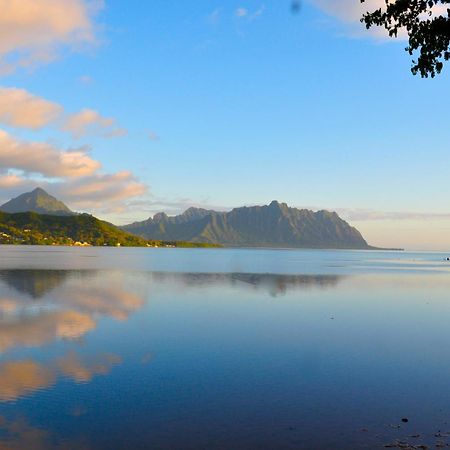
30,228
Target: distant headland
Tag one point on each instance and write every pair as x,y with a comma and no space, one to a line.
37,218
275,225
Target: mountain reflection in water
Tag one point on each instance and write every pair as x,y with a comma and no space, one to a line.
106,359
39,307
44,316
271,283
35,283
33,314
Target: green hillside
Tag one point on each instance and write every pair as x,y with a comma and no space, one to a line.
35,229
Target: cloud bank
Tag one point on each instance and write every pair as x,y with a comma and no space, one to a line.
44,158
89,122
19,108
372,215
34,33
72,174
350,12
22,109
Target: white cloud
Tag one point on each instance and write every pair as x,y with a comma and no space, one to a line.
90,122
24,165
33,32
97,194
10,180
44,158
19,108
348,10
350,13
102,192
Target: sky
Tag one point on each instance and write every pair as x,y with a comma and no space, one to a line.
125,109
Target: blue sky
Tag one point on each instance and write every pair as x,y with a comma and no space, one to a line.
238,103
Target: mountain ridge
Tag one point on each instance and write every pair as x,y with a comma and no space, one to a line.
273,225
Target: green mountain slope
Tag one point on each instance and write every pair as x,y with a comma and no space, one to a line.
81,229
36,229
37,201
274,225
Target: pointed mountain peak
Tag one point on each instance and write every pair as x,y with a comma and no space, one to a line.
38,201
39,190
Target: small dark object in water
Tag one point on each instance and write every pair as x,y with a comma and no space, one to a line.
442,434
405,420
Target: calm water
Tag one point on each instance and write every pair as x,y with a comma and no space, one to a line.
223,349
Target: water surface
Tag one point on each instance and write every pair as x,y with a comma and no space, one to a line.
222,349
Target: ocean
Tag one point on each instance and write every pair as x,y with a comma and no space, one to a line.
136,348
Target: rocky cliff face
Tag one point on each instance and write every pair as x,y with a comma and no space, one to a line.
274,225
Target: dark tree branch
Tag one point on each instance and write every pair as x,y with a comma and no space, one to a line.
428,33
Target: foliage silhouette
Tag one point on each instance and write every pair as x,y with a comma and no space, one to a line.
427,23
